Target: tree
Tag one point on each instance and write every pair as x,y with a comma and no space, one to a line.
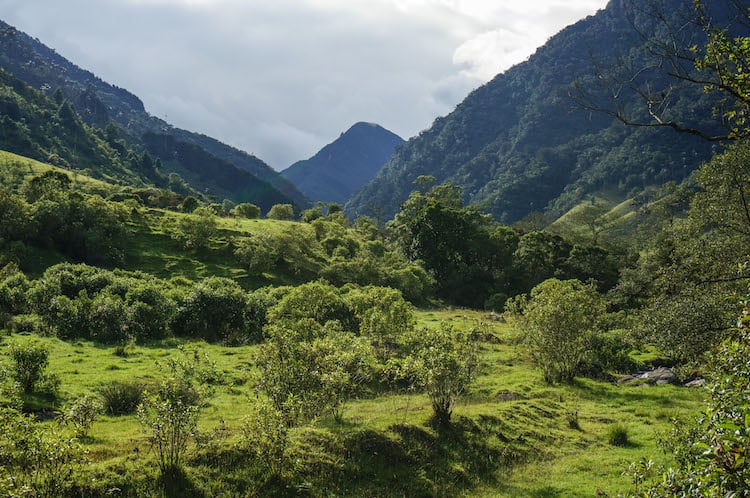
713,451
281,212
702,46
558,321
443,361
47,184
195,231
247,210
213,311
307,369
452,241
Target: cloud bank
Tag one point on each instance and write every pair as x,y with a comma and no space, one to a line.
282,78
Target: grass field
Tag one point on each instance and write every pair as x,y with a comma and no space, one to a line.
513,435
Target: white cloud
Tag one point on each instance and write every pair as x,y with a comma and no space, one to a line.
282,78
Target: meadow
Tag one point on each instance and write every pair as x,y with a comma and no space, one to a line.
512,435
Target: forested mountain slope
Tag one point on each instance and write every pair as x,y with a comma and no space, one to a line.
98,102
522,143
345,165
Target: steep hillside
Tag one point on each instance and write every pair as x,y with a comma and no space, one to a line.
36,126
520,143
98,102
345,165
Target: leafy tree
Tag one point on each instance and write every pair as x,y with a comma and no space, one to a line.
312,214
195,231
189,204
46,185
307,369
451,240
443,361
713,451
383,316
559,320
314,300
213,310
281,212
259,252
539,256
247,210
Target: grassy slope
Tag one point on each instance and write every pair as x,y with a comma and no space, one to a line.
150,248
511,435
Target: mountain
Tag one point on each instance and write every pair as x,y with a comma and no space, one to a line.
345,165
36,126
99,103
521,143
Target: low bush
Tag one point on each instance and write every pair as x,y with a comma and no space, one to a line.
617,435
121,398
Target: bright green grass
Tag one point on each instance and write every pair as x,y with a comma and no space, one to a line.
34,167
511,434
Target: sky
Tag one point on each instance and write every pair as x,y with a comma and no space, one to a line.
282,78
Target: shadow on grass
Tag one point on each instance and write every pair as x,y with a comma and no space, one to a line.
177,484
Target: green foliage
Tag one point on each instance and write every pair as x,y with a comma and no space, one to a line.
712,453
617,435
443,361
213,310
246,210
559,320
265,434
121,397
36,461
383,317
281,212
307,369
169,413
81,414
29,364
316,301
195,231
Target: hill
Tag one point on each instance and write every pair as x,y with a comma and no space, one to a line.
345,165
99,103
521,143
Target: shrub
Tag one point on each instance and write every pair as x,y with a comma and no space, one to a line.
617,435
169,414
443,361
30,361
121,398
81,414
213,311
559,320
265,433
35,460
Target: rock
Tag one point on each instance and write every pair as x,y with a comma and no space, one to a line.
659,376
696,383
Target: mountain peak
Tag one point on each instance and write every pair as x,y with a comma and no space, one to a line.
342,167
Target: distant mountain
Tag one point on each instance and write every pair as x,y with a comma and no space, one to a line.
520,144
345,165
98,103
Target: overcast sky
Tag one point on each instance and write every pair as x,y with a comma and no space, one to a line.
282,78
